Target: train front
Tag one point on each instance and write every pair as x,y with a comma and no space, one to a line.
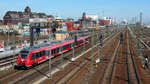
22,60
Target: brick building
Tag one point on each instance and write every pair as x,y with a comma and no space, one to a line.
15,17
1,22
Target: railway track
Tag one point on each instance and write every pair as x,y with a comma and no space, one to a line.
107,61
43,70
108,70
8,78
120,66
133,75
7,62
74,70
144,49
119,70
86,69
21,74
143,74
16,74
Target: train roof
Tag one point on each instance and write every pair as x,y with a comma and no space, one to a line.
37,46
71,38
48,43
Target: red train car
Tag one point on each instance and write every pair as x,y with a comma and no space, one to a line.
32,56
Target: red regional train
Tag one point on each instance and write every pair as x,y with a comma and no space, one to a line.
31,56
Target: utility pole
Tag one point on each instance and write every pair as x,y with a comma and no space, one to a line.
50,63
13,44
84,43
92,53
73,45
141,23
98,45
141,18
73,51
8,36
62,58
140,35
31,36
103,14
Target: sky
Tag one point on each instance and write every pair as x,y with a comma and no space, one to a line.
119,9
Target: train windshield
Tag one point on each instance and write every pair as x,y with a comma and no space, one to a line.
24,54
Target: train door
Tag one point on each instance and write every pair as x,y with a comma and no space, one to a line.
47,54
43,55
37,57
40,56
33,58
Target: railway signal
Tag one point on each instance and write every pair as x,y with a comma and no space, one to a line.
121,38
100,40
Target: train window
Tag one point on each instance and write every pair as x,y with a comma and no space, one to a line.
70,45
57,49
63,47
81,41
52,52
43,53
36,54
33,56
24,54
46,52
40,54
